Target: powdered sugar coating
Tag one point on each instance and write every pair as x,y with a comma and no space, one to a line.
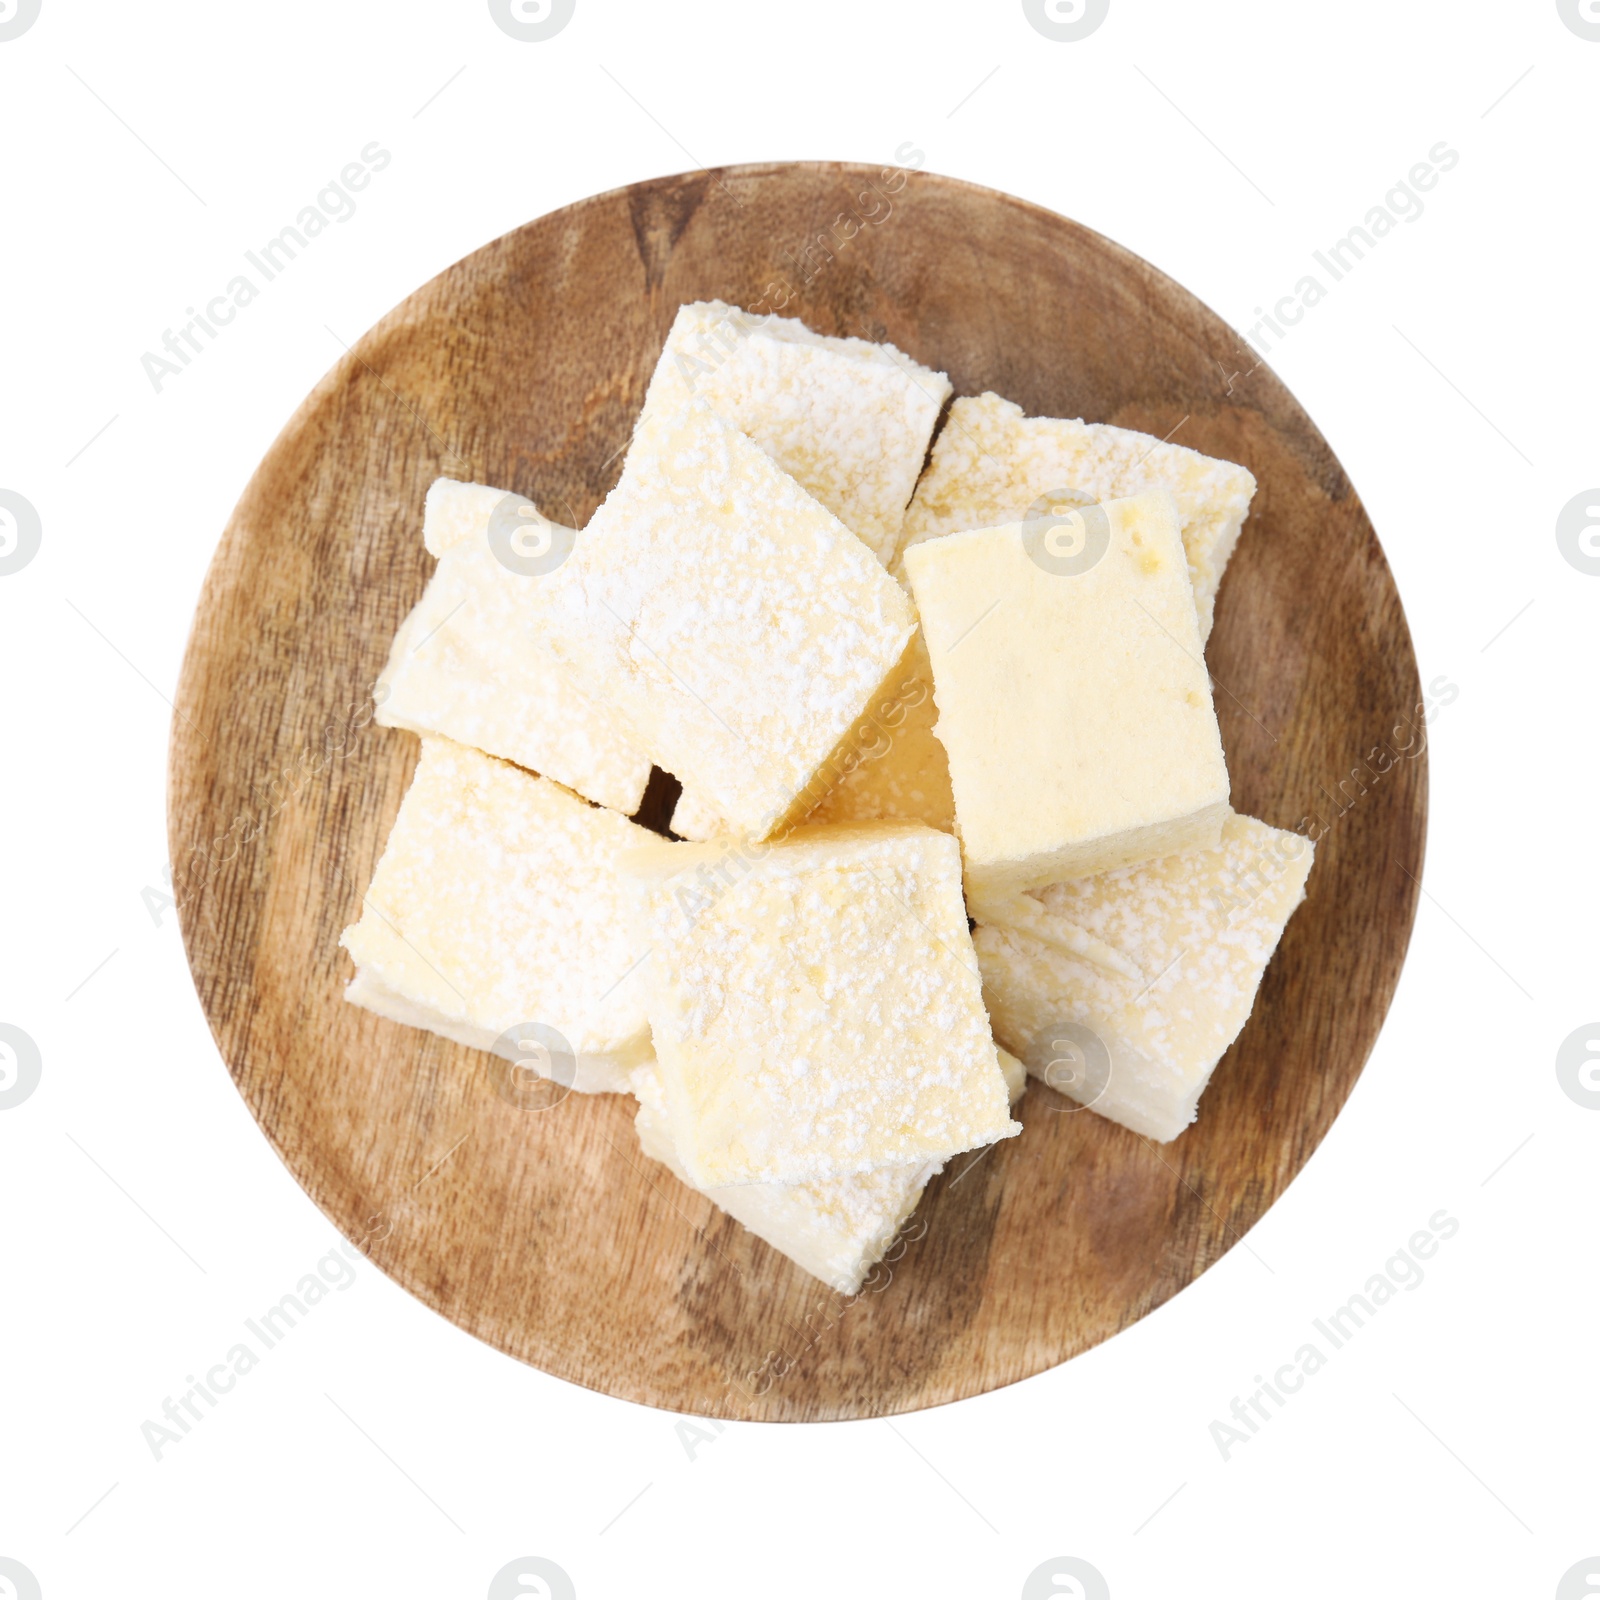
1201,926
849,420
991,462
815,1004
497,902
466,664
736,624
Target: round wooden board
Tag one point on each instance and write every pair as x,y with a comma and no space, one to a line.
548,1234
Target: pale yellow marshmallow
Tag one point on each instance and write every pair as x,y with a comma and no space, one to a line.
850,421
1201,927
467,665
735,622
815,1004
846,419
1073,701
837,1229
497,903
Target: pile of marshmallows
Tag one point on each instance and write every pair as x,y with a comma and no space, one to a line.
898,701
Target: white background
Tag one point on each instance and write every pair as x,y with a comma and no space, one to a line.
1447,1449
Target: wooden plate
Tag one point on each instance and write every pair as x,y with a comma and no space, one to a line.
548,1235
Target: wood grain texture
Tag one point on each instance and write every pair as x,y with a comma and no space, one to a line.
548,1234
